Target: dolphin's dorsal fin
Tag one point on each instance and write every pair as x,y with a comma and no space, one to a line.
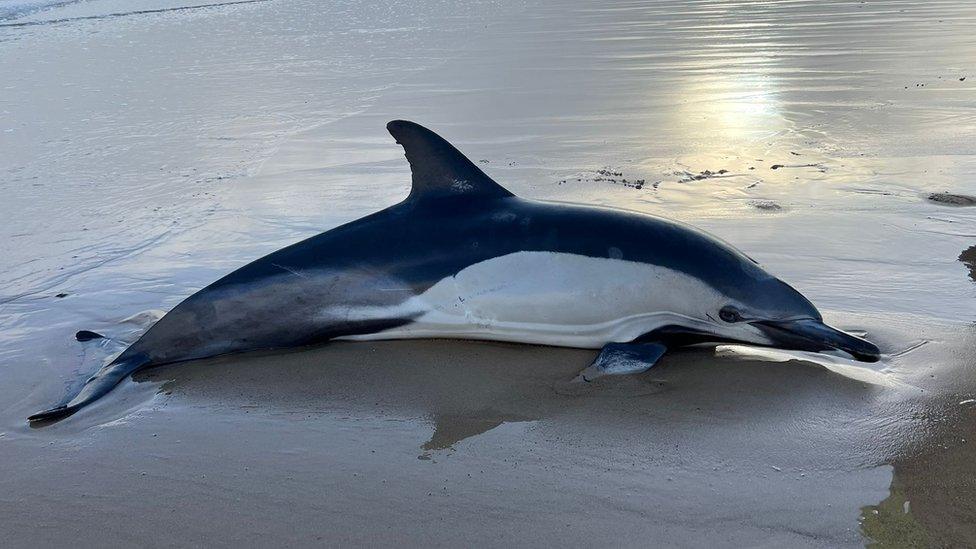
438,168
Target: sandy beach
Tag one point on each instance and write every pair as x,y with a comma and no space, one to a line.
148,147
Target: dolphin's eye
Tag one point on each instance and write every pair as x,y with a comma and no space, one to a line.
730,314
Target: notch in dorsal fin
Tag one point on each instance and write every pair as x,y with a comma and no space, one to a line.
438,168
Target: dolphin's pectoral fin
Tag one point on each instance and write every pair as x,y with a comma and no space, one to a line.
622,359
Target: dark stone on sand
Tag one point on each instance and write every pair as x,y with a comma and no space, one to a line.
950,199
62,294
968,258
776,166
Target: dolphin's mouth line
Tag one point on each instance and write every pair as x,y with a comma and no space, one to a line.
813,335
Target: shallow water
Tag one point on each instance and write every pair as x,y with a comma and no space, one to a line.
146,148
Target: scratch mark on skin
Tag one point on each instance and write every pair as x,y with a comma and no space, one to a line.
290,270
461,185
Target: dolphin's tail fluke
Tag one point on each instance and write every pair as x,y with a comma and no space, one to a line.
54,414
97,386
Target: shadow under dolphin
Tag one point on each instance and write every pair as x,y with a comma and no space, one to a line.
463,389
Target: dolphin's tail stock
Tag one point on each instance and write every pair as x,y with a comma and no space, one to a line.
97,386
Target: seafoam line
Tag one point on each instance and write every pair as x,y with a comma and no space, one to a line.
128,13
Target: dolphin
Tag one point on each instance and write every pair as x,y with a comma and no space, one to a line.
462,257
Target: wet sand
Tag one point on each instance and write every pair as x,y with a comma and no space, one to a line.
163,150
446,443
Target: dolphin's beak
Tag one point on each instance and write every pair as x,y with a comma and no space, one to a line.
813,335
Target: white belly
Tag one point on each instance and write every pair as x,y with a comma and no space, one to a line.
552,299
